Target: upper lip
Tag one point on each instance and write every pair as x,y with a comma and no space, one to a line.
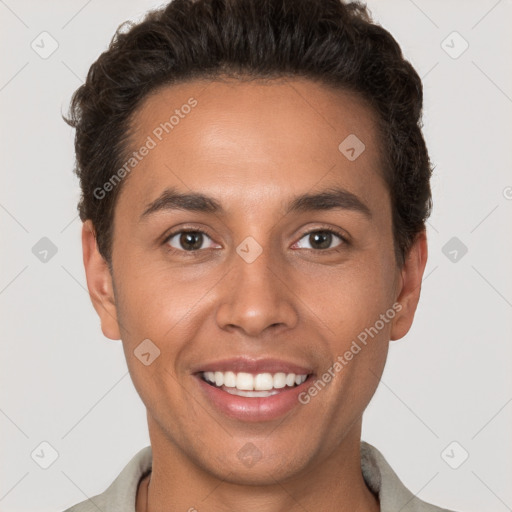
254,366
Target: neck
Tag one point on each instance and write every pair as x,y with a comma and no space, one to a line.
335,484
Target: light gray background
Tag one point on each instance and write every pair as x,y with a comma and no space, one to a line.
449,380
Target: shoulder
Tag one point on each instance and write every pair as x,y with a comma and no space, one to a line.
121,493
383,481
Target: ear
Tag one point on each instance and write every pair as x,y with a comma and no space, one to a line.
409,290
99,283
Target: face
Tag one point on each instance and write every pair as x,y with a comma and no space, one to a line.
254,251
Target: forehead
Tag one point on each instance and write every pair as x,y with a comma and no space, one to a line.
275,137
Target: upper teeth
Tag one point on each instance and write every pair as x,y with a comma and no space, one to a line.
250,382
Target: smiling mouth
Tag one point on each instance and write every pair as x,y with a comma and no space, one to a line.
253,385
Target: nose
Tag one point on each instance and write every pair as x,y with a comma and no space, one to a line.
256,297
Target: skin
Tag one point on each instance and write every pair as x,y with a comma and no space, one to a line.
254,146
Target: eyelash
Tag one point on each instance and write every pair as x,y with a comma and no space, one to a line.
338,248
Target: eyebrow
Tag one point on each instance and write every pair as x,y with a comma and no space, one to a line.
329,199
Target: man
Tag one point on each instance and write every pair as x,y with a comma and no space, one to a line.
255,186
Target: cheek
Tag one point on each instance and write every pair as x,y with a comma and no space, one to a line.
352,297
151,308
154,299
168,307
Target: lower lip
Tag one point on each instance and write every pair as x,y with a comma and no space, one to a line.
253,409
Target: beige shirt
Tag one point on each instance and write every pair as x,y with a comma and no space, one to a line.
378,475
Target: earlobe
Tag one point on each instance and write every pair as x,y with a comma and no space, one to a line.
99,283
409,292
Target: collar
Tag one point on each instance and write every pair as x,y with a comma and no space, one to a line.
377,473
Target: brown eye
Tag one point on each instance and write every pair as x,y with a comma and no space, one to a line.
187,240
321,239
